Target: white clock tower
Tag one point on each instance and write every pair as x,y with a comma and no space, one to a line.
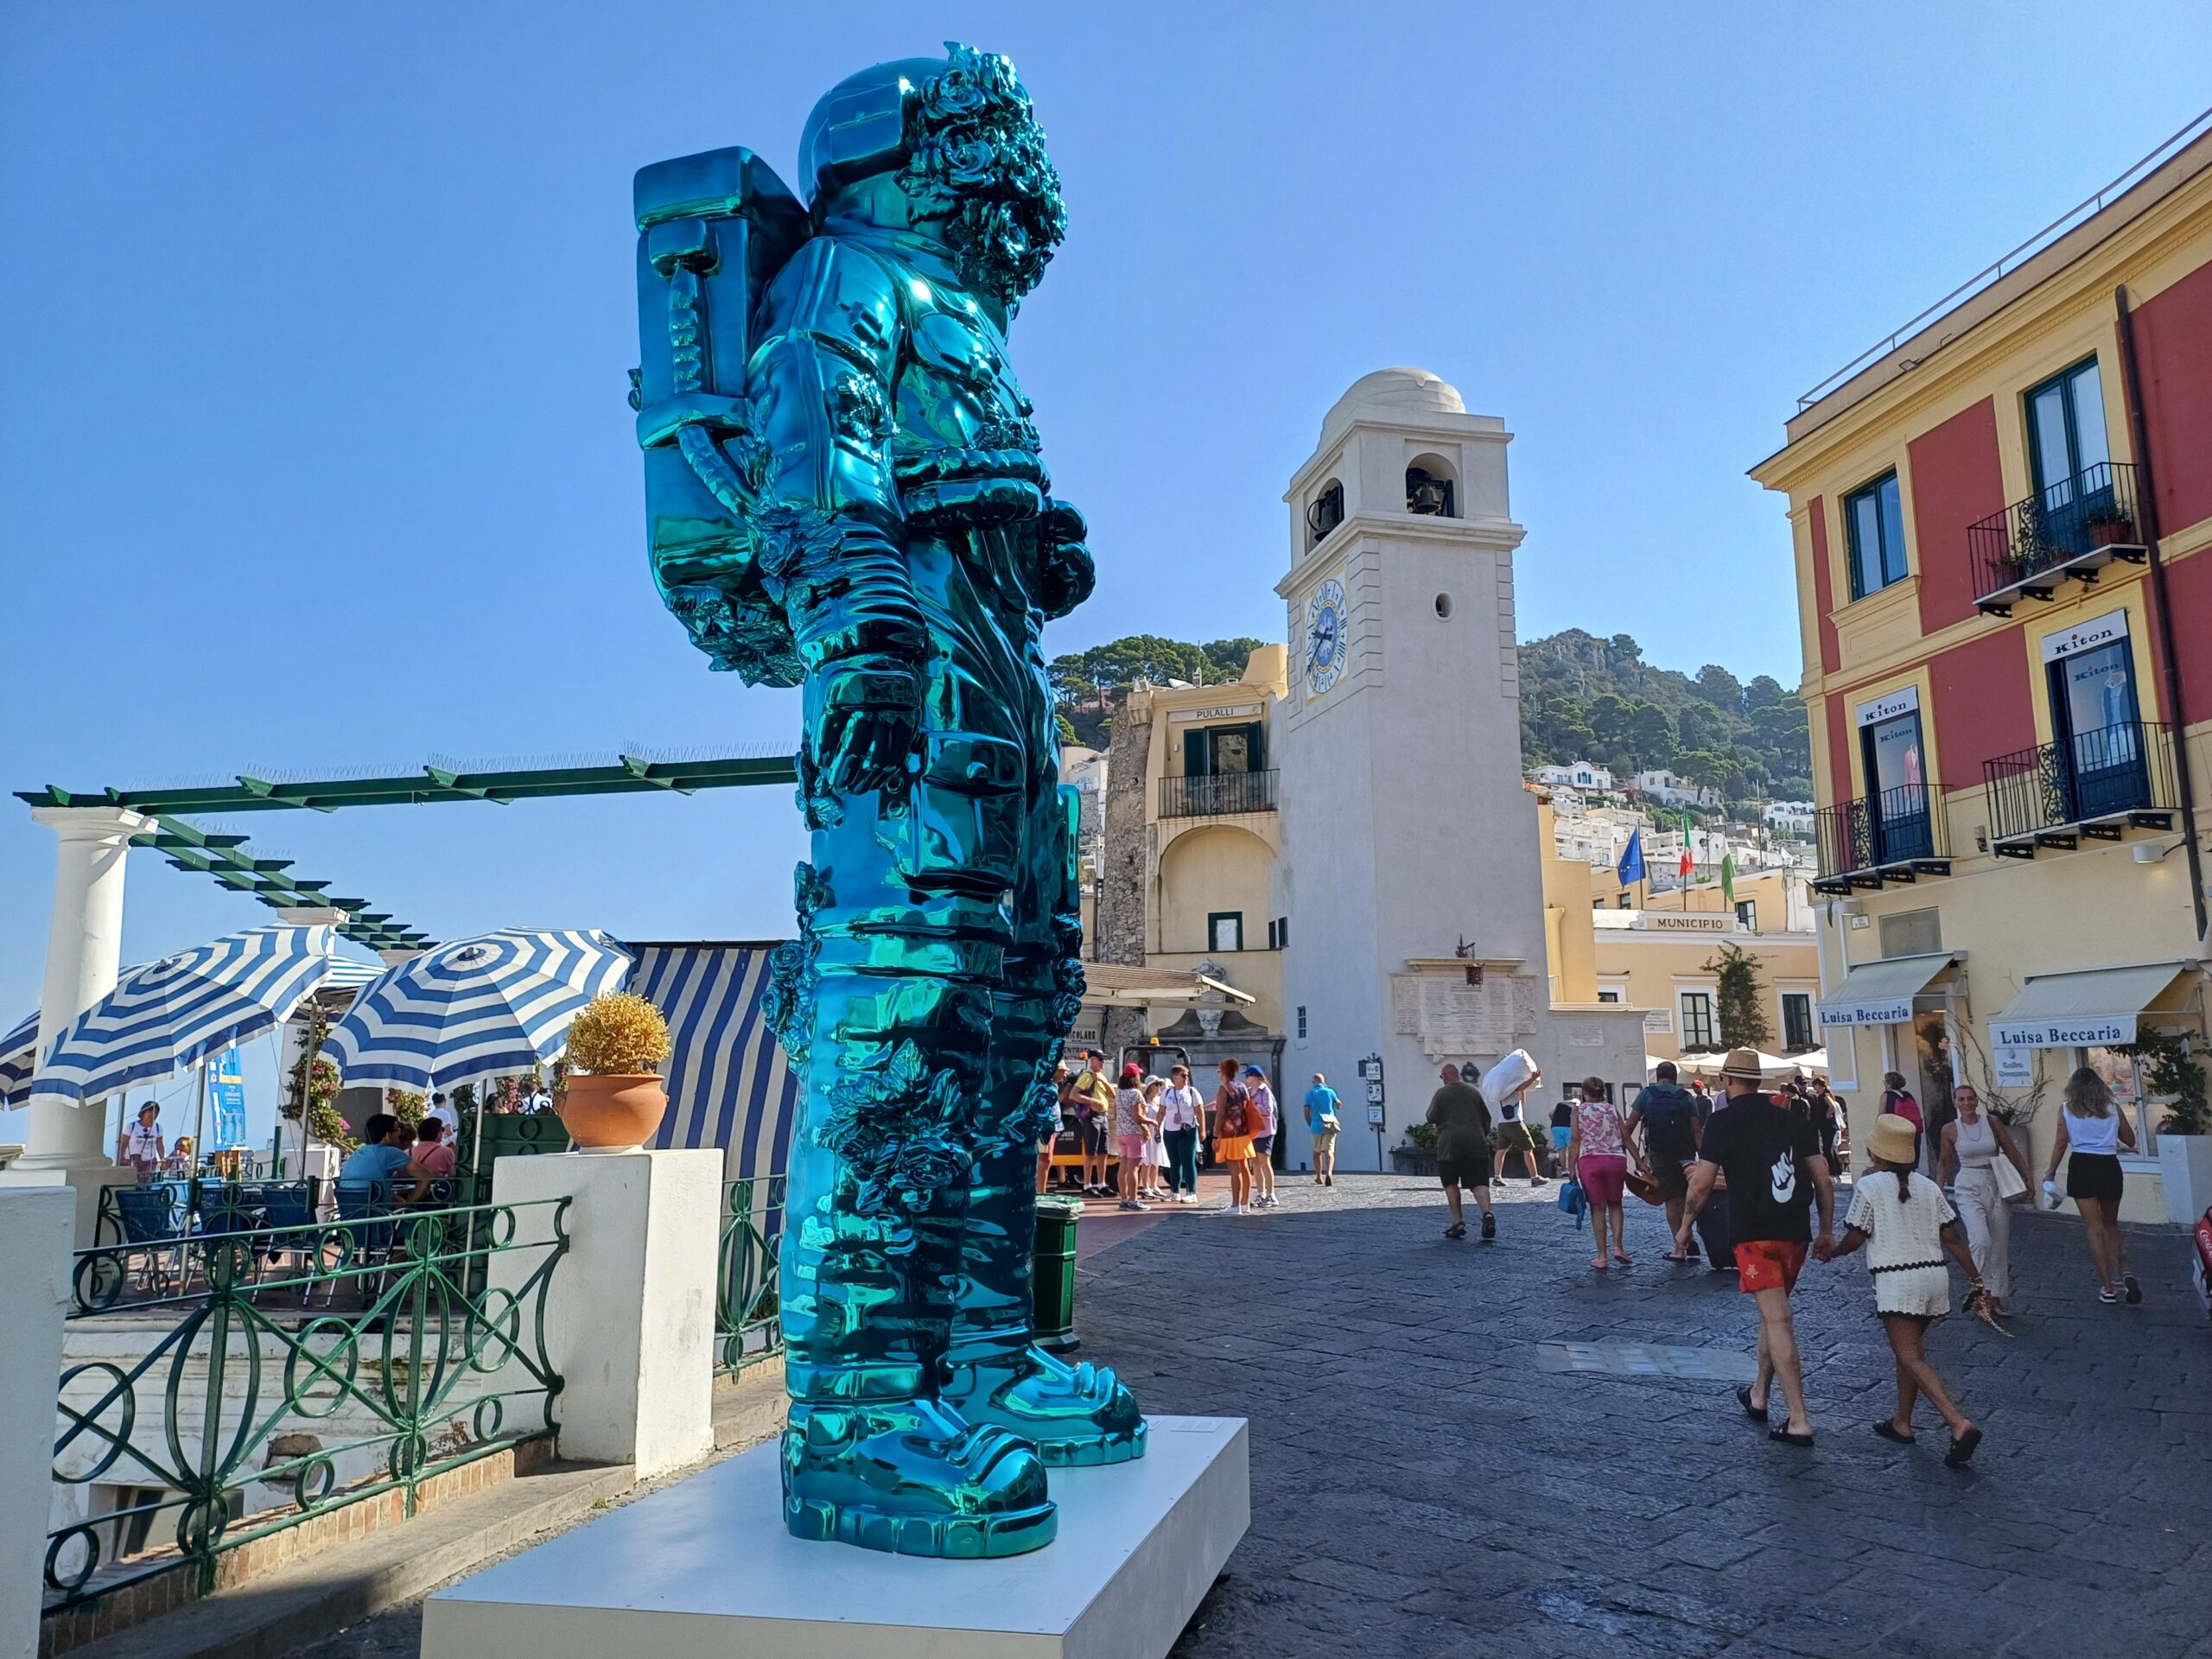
1409,877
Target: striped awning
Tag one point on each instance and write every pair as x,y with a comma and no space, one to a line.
169,1015
18,1054
478,1008
729,1084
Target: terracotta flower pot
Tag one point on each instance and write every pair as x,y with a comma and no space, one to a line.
615,1112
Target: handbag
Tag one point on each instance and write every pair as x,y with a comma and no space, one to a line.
1644,1187
1573,1202
2009,1184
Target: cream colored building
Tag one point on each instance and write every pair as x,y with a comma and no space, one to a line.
1653,955
2000,521
1211,828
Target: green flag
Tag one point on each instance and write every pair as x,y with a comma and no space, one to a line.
1728,877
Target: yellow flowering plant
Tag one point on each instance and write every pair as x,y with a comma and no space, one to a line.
618,1033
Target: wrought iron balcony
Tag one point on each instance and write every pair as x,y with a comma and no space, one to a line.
1898,836
1221,793
2072,529
2098,784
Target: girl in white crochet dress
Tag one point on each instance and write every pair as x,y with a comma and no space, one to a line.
1907,1229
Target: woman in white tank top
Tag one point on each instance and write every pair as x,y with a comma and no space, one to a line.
2091,1129
1973,1142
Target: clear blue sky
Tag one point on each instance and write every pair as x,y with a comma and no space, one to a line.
314,449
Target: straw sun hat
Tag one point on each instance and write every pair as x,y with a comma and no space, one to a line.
1742,1063
1893,1139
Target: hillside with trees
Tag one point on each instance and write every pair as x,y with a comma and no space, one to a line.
1583,698
1083,680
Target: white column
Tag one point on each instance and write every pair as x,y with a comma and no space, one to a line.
63,1141
35,1240
630,1311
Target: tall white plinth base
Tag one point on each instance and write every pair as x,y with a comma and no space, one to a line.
705,1566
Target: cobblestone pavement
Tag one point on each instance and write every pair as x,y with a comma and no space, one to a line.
1428,1481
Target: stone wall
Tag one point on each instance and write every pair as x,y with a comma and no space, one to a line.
1124,859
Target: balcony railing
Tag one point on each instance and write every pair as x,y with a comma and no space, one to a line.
1212,796
1897,836
2071,529
2097,784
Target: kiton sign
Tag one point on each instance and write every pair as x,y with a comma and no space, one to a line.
2100,631
2092,1030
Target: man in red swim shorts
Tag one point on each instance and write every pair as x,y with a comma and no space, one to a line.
1775,1170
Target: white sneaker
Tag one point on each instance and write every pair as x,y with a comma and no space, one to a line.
1231,1209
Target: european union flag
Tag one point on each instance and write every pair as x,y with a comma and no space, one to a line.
1631,870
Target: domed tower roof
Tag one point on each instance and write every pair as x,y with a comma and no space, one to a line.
1392,393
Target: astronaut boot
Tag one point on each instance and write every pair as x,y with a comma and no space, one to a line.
913,1478
1075,1415
871,1456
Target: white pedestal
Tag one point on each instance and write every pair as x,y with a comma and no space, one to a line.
36,1236
630,1313
705,1566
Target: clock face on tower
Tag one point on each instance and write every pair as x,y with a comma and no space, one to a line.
1324,636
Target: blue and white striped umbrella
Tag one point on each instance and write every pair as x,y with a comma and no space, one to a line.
499,1003
169,1015
18,1054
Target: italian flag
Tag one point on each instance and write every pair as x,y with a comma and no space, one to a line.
1686,860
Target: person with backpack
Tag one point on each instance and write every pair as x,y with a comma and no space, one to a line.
1672,1125
1235,1126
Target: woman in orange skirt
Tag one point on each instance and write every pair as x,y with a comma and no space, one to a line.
1235,1124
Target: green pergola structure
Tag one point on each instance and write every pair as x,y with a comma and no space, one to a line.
227,859
629,774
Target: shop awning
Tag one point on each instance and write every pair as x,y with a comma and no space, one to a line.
1881,993
2095,1008
1117,985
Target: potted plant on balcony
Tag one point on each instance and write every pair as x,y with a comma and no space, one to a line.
2167,1072
612,1098
2109,525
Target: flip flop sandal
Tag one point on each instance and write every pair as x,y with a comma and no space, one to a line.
1621,1256
1962,1448
1888,1431
1787,1438
1744,1399
1670,1257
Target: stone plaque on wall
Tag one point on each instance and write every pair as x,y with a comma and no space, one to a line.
1452,1017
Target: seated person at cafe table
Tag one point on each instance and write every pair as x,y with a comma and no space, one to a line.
385,1158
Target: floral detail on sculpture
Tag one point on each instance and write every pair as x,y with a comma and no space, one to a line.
902,1129
738,635
1008,432
979,163
859,411
793,979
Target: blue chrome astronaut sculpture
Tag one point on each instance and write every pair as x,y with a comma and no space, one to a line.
843,491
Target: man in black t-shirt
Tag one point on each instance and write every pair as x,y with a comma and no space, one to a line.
1772,1160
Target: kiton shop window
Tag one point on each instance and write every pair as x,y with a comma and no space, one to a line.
2103,764
1896,768
1873,521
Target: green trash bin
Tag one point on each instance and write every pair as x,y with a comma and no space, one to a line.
1055,1281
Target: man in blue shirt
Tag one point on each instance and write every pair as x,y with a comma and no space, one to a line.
1322,1123
385,1160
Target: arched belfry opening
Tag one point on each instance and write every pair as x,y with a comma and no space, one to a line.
1432,488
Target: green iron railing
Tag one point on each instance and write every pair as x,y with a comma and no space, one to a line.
431,1334
748,1322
